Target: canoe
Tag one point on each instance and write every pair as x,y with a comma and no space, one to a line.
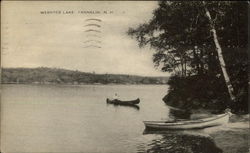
188,124
120,102
137,107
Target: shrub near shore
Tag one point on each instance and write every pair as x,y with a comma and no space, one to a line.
205,92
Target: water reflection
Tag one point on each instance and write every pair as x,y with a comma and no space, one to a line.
136,107
179,142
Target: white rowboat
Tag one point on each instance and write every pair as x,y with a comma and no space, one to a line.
188,124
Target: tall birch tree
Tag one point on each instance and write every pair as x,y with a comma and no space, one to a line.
220,55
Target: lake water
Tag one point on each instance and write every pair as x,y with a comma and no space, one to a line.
66,118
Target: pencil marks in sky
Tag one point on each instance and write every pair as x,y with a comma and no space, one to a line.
92,32
97,41
96,25
92,46
93,36
94,19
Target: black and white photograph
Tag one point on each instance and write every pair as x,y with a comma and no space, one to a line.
124,76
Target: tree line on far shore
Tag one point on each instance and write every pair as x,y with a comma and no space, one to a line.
45,75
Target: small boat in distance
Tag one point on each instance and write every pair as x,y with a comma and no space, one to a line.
188,124
120,102
136,107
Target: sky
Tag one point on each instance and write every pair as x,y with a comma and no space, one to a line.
58,34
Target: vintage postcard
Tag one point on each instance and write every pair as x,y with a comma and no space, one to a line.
124,77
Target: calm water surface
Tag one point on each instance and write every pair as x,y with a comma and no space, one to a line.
64,118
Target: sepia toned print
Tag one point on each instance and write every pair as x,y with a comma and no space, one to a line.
124,76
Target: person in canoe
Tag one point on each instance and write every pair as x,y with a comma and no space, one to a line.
115,97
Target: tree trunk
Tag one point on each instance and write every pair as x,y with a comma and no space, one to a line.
220,56
197,65
182,68
185,67
201,61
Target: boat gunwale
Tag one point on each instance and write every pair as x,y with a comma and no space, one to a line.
185,123
121,102
128,101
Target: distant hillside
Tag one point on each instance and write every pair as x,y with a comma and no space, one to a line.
44,75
